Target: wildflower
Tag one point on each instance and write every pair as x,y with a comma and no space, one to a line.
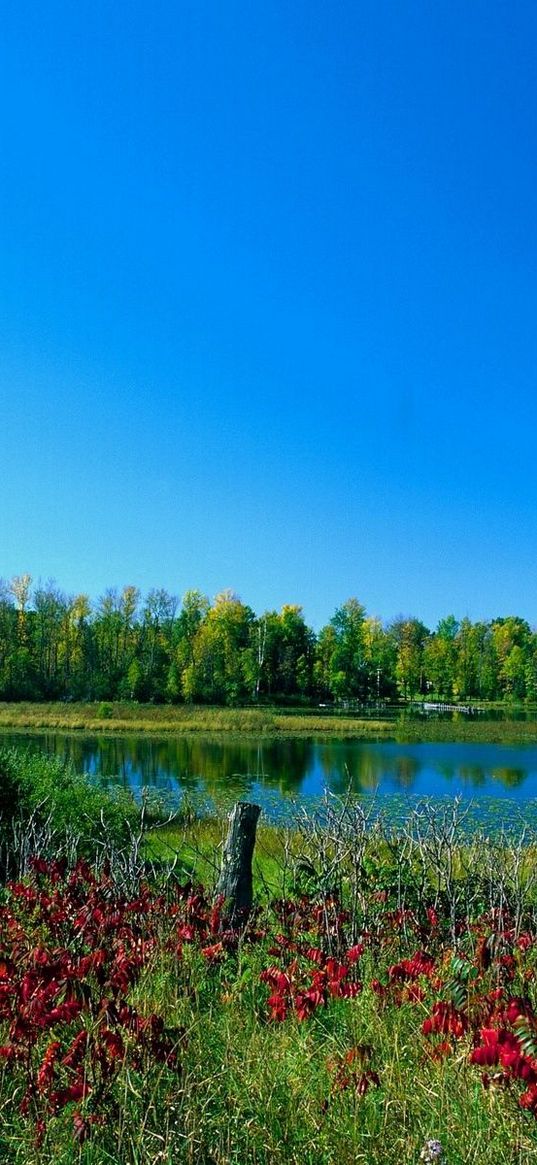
113,1043
350,990
413,993
488,1053
40,1130
277,979
63,1096
440,1050
39,866
432,1153
63,1013
306,1002
483,954
187,933
365,1081
517,1007
420,964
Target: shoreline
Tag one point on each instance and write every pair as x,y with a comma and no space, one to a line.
122,719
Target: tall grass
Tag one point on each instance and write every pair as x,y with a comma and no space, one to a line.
255,722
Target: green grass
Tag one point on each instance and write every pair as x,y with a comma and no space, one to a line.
255,722
263,1094
195,843
464,730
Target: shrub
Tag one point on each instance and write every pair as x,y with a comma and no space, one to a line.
105,711
48,789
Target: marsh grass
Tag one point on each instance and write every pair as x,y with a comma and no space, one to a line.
256,722
133,717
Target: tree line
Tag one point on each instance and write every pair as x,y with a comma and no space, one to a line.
158,648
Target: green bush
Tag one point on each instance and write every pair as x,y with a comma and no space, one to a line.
105,711
49,788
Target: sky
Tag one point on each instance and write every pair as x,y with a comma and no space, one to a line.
268,301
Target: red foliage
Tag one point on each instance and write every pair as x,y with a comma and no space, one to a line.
92,947
73,949
46,1072
421,963
446,1020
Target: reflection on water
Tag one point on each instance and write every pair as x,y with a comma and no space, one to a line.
303,769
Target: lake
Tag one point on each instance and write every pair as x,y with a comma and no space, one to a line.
501,779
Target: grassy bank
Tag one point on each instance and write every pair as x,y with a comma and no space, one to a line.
145,718
162,718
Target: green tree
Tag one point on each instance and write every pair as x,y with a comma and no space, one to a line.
108,636
221,668
409,637
283,653
49,626
8,637
511,639
77,648
156,642
134,679
342,649
325,648
465,684
531,668
380,659
182,678
440,658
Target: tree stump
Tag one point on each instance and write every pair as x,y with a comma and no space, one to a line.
235,882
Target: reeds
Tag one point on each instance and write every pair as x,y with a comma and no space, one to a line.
255,722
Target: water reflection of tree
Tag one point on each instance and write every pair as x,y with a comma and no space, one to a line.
346,768
233,766
362,769
406,769
474,775
512,778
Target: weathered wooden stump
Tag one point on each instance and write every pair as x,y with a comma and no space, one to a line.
235,881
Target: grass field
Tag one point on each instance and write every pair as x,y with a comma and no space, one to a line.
130,717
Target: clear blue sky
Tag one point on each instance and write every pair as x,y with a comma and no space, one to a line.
268,290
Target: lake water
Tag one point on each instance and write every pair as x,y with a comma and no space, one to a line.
279,774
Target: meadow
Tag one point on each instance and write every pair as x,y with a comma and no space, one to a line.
382,993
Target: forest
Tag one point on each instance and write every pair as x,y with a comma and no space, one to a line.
157,648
